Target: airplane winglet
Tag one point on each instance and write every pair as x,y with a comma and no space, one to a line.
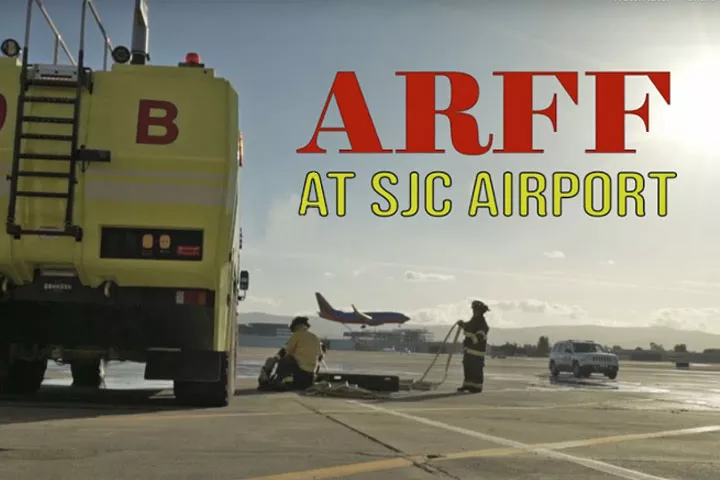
360,314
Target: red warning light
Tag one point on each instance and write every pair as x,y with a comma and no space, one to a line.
192,58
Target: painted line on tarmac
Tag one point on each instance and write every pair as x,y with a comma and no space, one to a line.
539,450
593,442
492,407
340,471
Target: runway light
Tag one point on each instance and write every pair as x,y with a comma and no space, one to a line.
10,48
121,54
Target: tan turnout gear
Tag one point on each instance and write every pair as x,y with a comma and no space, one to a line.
306,347
298,360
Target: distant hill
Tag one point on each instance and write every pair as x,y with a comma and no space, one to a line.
627,337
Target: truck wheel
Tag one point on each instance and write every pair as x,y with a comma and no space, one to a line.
87,373
577,373
554,370
209,394
612,375
22,377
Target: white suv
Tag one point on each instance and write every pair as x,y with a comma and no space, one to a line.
582,358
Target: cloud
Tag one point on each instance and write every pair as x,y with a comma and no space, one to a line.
282,218
689,318
363,270
532,312
329,275
608,262
443,314
504,313
539,307
555,254
693,284
413,276
686,287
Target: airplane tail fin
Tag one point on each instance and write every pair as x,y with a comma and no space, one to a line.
323,304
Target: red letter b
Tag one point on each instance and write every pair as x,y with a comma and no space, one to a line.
145,121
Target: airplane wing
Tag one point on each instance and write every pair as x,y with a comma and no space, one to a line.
361,315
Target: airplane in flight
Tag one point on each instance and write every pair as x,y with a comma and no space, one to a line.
356,317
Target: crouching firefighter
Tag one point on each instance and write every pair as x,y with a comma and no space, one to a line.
474,347
297,362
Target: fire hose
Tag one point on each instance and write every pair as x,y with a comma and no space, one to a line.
345,390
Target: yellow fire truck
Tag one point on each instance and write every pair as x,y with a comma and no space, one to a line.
122,240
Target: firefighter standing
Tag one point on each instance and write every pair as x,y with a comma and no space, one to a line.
300,357
474,347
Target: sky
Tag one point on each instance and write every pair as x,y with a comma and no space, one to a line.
282,57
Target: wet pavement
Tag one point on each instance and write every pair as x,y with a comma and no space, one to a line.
653,422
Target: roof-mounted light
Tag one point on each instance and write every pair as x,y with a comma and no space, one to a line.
121,54
192,59
10,48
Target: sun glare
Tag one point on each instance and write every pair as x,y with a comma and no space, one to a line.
692,118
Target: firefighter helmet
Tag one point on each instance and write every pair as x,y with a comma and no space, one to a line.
478,305
299,321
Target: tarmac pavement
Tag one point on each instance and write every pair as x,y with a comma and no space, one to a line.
653,422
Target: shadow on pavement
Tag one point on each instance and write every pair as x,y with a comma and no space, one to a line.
246,392
61,402
64,403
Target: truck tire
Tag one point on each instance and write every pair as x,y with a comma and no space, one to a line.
612,375
577,372
209,394
553,369
22,377
87,373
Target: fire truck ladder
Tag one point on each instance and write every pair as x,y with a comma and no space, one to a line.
74,78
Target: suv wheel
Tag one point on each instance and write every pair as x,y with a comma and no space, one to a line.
576,370
553,369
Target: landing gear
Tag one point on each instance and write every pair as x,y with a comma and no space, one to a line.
20,376
88,373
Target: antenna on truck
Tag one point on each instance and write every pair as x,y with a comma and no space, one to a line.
140,52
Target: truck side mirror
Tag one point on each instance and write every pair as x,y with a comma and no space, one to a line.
244,283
